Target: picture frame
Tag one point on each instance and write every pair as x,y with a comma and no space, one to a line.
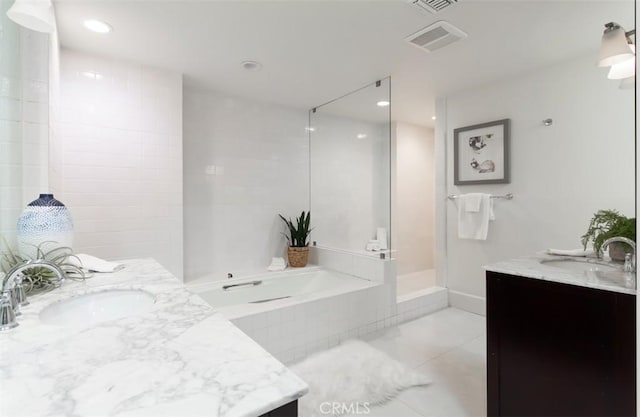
481,153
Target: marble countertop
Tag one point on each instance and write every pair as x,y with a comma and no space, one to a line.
179,358
536,267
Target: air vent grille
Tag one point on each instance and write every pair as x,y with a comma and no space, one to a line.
436,36
433,6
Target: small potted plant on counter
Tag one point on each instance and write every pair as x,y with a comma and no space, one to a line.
606,224
298,246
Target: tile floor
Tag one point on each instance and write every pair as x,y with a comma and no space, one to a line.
415,281
449,346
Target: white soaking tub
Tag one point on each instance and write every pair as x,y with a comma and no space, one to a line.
299,311
259,292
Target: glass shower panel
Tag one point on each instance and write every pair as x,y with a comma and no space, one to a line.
350,172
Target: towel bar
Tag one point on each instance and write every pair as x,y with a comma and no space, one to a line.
508,196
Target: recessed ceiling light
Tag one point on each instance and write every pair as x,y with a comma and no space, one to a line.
361,135
310,129
433,117
383,103
97,26
251,65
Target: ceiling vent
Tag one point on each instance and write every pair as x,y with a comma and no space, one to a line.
433,6
436,36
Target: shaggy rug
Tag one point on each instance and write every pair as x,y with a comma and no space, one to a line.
350,379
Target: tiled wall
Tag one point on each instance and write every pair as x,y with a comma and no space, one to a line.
35,114
23,119
245,162
10,125
118,145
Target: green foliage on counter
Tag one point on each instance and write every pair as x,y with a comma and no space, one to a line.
298,232
38,278
606,224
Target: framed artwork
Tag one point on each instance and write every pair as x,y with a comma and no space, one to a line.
481,153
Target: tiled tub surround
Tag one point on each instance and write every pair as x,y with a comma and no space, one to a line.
295,327
179,358
534,267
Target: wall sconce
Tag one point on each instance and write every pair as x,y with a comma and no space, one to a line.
36,15
618,52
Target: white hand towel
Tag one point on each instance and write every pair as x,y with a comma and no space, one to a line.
277,264
472,202
570,252
474,225
93,264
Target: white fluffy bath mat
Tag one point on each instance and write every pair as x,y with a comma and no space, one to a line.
350,378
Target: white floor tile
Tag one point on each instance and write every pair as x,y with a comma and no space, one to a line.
420,340
459,384
450,347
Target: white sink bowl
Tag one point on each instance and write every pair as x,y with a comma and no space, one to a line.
574,265
97,307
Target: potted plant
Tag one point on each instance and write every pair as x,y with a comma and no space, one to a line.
37,278
298,246
606,224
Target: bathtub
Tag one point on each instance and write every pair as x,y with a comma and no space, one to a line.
239,297
299,311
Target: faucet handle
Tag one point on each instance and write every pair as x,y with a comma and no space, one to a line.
21,295
7,315
629,262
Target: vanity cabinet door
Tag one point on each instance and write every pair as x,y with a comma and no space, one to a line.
287,410
558,350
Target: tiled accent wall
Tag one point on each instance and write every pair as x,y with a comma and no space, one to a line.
245,162
23,119
118,136
35,114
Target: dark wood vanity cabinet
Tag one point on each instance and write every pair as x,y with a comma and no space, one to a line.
287,410
559,350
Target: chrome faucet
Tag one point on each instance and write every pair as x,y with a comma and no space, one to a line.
13,295
629,259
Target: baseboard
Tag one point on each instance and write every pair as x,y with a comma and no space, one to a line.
468,302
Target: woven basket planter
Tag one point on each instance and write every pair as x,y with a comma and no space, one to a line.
298,257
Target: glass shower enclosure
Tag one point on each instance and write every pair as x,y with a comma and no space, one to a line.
350,171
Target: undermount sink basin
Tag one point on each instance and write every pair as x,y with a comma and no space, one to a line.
575,265
595,271
97,307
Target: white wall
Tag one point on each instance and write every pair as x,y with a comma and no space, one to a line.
24,119
119,140
245,162
560,174
414,197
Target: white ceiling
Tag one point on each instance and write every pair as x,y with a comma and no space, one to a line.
315,51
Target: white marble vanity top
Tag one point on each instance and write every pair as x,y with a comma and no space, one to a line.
179,358
535,267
